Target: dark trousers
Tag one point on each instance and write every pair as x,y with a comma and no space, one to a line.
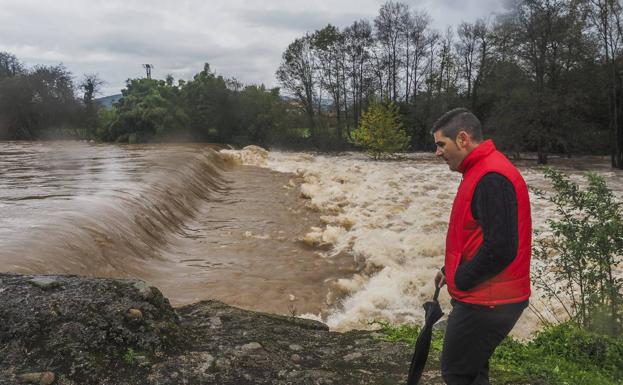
472,334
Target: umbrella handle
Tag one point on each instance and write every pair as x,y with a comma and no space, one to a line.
437,288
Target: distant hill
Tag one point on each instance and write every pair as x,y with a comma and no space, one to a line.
107,101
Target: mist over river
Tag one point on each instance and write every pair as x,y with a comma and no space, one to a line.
335,237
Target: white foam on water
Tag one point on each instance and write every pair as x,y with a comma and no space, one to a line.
392,217
250,155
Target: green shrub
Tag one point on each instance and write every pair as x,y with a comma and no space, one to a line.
581,258
380,131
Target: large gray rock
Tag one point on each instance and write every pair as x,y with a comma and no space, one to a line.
105,331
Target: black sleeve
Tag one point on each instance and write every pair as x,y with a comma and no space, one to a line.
494,206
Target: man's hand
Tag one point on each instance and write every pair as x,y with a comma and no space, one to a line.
440,279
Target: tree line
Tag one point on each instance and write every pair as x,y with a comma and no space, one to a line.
544,76
208,108
33,101
46,103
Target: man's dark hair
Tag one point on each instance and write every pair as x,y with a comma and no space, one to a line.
456,120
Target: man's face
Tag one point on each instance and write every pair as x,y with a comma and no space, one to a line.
452,151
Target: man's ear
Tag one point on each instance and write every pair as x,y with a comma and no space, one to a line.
462,139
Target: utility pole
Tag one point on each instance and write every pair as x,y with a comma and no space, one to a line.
148,68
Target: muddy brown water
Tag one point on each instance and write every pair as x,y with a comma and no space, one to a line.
172,215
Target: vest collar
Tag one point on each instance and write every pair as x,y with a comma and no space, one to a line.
484,149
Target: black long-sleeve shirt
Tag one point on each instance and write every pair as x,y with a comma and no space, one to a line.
494,206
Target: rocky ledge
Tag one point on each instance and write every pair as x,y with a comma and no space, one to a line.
76,330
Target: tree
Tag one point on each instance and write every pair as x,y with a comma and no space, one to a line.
91,85
380,131
297,73
547,35
149,109
448,74
209,104
260,111
507,91
484,37
418,37
358,39
38,103
18,117
9,65
467,48
390,26
606,19
328,44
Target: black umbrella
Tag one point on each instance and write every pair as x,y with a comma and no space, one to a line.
422,345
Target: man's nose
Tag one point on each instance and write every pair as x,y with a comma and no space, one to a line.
438,152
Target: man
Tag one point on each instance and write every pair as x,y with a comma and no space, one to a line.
488,247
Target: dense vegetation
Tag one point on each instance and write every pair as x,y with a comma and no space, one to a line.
544,77
41,103
38,102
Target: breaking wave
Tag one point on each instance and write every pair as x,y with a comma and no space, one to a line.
126,206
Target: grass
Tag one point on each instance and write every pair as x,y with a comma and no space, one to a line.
130,356
559,355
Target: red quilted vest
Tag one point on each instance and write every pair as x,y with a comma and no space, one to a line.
465,234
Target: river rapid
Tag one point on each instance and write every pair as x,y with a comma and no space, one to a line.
340,238
392,218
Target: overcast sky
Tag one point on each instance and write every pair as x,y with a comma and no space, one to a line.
242,39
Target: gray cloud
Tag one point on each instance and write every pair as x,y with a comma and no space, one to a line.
238,38
300,21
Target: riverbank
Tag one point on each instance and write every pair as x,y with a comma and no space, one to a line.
71,330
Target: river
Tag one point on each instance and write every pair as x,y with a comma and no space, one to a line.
339,238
